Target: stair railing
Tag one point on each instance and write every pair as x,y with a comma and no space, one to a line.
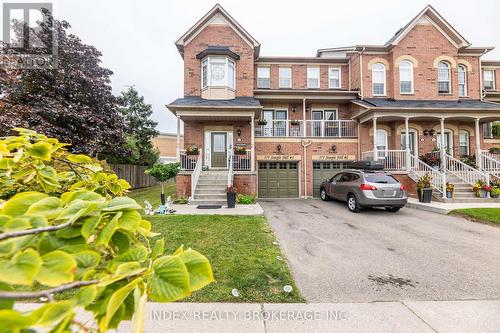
489,164
196,175
230,158
419,168
463,171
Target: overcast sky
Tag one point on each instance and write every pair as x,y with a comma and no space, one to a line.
137,37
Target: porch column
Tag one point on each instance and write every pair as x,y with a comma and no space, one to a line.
443,159
375,152
178,144
407,144
304,124
252,146
478,145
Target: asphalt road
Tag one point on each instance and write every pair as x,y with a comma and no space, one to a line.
339,256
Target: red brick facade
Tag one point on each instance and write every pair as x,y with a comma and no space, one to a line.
425,43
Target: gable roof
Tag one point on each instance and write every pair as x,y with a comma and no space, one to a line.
206,19
432,16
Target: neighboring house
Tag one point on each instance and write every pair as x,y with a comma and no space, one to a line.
301,119
166,143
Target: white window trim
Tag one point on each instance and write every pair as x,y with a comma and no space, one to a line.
209,85
450,92
279,77
319,77
412,79
257,74
385,143
385,80
465,81
460,141
484,79
338,69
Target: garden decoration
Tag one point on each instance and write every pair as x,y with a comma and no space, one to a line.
65,225
148,208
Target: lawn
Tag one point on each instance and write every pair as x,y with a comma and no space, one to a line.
240,249
152,194
485,215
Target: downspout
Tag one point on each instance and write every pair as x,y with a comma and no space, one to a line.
305,165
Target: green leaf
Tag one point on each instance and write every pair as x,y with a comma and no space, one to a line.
86,295
169,281
12,321
69,232
198,266
74,211
140,298
40,150
50,313
107,232
79,158
129,220
89,226
19,203
128,268
136,254
6,303
21,269
86,259
83,195
49,207
158,248
57,268
121,203
115,301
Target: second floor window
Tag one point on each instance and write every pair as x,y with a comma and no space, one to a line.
489,80
406,77
378,79
312,77
285,77
263,77
462,81
334,78
444,78
217,72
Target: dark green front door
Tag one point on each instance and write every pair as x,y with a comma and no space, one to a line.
278,180
219,150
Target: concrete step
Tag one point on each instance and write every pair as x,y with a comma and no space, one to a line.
210,196
460,195
212,182
210,190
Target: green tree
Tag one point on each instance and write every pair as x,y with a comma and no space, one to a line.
79,239
163,173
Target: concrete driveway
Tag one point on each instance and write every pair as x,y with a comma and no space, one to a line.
338,256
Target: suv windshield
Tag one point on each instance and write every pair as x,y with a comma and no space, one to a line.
381,179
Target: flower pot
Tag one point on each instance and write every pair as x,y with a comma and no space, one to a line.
425,195
483,194
192,153
240,152
449,194
231,199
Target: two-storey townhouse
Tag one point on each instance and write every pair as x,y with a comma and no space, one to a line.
278,126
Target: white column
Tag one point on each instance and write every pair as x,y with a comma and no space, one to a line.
443,158
478,145
304,133
252,158
407,143
375,152
178,144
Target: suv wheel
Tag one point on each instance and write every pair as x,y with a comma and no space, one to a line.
323,195
392,209
353,204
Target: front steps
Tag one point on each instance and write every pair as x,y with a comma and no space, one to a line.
211,188
463,192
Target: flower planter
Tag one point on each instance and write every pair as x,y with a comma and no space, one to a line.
449,195
483,194
231,199
192,153
240,152
425,195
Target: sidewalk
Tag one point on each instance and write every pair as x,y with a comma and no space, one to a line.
420,317
253,209
445,208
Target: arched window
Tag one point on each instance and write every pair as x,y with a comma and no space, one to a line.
444,78
378,79
406,77
462,81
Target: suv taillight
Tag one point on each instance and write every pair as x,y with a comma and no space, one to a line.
402,188
366,187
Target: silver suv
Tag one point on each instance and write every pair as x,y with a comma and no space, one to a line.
363,188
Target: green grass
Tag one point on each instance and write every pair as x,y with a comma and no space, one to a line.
485,215
152,194
242,254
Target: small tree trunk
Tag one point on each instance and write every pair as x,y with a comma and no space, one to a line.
162,196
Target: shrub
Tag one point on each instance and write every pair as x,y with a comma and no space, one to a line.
246,199
163,173
431,159
470,160
56,237
495,129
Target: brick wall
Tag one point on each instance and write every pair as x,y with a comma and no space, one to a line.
221,36
246,183
183,185
408,183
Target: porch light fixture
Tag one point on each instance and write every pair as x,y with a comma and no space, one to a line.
429,132
307,108
432,132
278,147
238,132
293,108
334,148
426,132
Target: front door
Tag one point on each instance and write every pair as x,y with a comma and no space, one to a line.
219,150
448,142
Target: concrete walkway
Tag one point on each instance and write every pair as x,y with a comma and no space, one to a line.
254,209
419,317
445,208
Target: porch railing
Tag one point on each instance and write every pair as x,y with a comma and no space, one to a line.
188,162
490,163
419,168
463,171
231,166
196,174
392,159
309,128
242,162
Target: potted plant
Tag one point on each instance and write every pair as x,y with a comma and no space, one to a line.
240,150
262,122
495,192
424,189
163,173
486,190
431,159
478,188
450,188
231,196
294,122
494,150
192,150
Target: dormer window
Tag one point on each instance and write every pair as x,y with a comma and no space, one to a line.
217,72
